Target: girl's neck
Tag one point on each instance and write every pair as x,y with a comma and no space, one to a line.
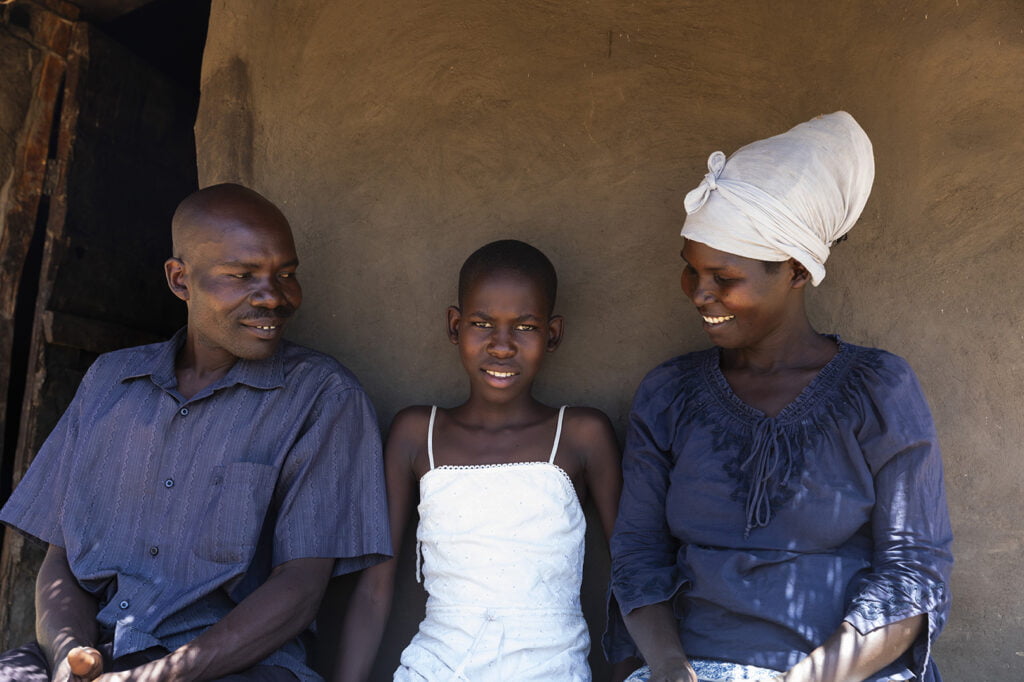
493,416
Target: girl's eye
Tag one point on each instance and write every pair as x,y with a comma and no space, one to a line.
480,324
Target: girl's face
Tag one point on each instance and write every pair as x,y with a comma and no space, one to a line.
741,302
503,330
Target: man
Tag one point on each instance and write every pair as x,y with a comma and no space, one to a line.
198,494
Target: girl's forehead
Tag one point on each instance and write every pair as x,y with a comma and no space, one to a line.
505,288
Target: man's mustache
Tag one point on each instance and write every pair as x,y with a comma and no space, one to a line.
280,312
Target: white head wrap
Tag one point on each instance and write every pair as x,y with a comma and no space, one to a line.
789,196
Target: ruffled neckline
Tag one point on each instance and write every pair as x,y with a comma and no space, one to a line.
828,377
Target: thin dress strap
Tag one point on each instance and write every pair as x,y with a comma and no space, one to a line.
558,435
430,436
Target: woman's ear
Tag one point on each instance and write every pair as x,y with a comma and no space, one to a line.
454,316
800,277
555,326
177,282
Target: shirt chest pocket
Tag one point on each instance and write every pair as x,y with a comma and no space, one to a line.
237,499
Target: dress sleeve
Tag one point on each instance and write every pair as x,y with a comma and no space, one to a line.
330,498
910,523
646,567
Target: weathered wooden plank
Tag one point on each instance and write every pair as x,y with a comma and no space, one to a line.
91,335
49,35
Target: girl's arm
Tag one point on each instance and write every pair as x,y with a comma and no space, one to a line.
602,471
370,604
602,464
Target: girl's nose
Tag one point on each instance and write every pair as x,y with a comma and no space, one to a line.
501,344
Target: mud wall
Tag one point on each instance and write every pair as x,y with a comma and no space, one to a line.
400,136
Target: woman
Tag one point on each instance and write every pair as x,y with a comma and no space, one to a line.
783,513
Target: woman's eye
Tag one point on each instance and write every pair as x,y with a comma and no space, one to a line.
725,281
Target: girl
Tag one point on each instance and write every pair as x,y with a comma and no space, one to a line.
501,479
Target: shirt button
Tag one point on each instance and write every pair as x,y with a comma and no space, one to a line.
169,483
154,550
183,412
123,604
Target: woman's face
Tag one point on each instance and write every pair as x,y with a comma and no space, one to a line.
741,301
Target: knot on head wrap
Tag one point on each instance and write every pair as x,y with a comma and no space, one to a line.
789,196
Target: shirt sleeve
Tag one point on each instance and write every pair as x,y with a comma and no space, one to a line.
646,558
331,500
910,525
38,503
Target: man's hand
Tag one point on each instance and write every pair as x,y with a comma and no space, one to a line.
85,662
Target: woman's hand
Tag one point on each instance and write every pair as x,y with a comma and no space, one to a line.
673,670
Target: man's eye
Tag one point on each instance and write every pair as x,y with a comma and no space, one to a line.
240,275
287,275
526,327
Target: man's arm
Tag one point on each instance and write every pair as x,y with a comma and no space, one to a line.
65,613
274,613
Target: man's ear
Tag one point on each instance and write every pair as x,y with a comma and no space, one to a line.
454,316
555,326
800,277
174,270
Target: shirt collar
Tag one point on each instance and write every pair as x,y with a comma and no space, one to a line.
157,361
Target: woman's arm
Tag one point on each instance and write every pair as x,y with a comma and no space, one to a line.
904,599
370,605
848,656
656,632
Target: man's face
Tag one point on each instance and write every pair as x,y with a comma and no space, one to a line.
241,286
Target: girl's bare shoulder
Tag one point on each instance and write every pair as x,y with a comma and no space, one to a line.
588,430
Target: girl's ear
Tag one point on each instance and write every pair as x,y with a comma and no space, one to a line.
800,276
555,327
174,270
454,315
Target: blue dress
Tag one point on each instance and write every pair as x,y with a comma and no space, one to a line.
767,532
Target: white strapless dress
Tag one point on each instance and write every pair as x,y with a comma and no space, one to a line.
502,560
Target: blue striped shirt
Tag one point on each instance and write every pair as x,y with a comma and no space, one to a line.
173,510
